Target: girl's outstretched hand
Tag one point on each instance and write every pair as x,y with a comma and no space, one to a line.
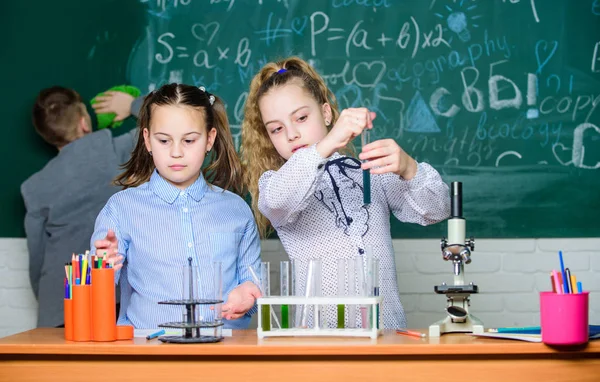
348,126
109,248
241,299
385,156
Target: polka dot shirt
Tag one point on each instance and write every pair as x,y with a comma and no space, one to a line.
316,206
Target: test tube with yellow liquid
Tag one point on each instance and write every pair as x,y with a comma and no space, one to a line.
341,291
265,288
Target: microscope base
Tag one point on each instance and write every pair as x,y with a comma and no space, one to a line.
471,325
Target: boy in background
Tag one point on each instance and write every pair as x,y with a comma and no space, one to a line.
63,199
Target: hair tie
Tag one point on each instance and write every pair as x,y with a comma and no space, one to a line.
211,98
282,70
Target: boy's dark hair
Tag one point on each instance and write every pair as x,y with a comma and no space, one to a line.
56,113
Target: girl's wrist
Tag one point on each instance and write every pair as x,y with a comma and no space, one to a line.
325,148
411,170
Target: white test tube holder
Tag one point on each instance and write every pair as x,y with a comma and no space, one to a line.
374,303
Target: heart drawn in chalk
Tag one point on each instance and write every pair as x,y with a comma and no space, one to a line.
200,31
368,74
560,152
299,24
542,48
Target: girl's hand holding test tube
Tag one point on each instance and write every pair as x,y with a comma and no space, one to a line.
349,125
109,248
385,156
241,299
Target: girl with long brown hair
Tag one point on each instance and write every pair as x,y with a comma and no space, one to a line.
176,208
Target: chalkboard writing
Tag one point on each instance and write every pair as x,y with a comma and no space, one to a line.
502,95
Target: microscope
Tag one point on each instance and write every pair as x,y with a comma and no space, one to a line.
458,250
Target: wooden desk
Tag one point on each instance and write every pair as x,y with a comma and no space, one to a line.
43,355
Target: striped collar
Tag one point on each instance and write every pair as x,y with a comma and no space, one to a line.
169,193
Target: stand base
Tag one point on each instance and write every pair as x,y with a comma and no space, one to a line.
372,333
471,325
190,340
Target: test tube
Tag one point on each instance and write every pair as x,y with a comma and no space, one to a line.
190,281
189,294
284,285
313,289
372,283
365,140
297,290
361,288
341,291
320,310
218,296
265,288
352,291
218,288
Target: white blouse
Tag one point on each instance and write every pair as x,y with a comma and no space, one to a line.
316,206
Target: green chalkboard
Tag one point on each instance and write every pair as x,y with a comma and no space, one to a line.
503,95
84,45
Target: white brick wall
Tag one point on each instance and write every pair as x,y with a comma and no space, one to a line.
18,307
509,273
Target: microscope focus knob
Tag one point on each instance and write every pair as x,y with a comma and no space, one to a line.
471,243
447,254
466,255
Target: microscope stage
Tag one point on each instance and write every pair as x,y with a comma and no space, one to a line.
445,289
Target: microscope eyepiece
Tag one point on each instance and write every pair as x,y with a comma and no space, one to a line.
456,200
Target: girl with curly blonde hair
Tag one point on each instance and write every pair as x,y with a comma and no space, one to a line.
296,150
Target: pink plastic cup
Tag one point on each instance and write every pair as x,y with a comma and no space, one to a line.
564,318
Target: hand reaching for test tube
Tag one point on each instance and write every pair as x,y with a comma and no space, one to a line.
109,248
241,299
385,156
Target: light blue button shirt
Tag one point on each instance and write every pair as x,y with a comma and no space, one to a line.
159,227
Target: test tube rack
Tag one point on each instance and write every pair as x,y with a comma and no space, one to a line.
372,303
191,327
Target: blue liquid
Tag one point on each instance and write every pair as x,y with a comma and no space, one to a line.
366,187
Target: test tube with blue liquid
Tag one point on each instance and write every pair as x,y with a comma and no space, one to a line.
365,140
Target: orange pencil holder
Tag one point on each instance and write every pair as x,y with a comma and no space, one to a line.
68,319
104,321
82,313
124,332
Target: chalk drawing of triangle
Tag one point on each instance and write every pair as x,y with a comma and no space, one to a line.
419,118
